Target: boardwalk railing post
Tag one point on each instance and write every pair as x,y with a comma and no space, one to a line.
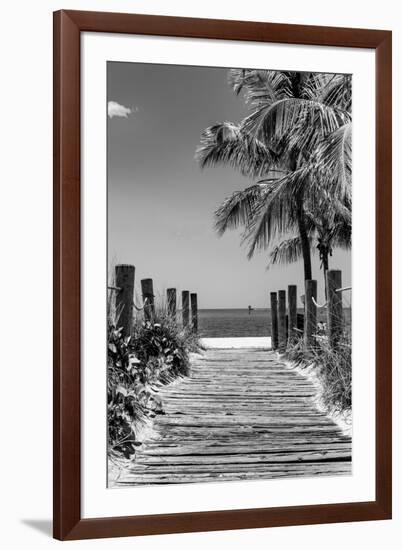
300,322
147,289
185,306
274,320
335,308
194,311
124,275
310,319
171,302
282,320
292,307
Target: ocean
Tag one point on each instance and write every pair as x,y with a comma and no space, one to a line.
238,322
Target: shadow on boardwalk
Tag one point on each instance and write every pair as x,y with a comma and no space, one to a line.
241,414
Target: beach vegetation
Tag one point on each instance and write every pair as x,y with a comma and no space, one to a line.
156,353
331,365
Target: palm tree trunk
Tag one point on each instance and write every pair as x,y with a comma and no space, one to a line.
305,243
301,220
325,265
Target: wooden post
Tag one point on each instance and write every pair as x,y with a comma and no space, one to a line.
310,320
287,328
282,320
171,302
147,288
300,322
292,306
124,275
185,306
194,312
335,308
274,320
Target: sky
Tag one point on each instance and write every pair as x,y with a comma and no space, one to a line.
161,204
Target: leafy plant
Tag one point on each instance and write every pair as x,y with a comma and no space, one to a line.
156,353
124,407
163,348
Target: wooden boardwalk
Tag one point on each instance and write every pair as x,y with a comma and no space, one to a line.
241,414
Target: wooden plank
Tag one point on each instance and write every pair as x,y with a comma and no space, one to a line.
227,420
245,458
240,415
274,471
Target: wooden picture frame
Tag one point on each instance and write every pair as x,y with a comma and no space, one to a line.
68,26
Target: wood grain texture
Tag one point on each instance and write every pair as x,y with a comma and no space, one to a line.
282,339
124,279
292,308
310,313
66,273
240,415
274,319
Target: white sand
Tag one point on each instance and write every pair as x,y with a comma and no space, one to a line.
343,420
236,343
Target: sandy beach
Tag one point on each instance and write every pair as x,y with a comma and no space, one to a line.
236,343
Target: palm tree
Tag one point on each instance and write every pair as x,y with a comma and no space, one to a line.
291,115
322,235
329,220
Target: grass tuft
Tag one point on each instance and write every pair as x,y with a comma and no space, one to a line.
333,367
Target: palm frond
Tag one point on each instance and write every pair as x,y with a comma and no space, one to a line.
271,122
321,203
258,84
286,252
226,143
343,236
238,209
237,79
275,213
333,161
338,92
332,89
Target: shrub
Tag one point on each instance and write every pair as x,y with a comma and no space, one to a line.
125,408
156,353
162,348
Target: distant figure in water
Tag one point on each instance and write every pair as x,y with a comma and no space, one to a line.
250,309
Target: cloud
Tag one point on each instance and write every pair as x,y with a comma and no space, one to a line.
115,109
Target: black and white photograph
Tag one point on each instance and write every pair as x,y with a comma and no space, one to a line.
189,219
229,274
